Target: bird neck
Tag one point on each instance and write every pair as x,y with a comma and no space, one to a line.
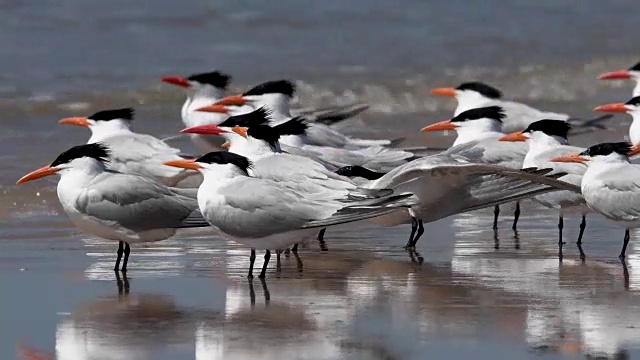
636,89
479,130
468,100
634,129
106,129
278,104
540,142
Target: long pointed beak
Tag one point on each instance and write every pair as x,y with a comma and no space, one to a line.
190,164
80,121
444,92
242,131
615,75
635,150
614,108
226,145
571,158
440,126
204,130
514,136
37,174
176,80
217,109
235,100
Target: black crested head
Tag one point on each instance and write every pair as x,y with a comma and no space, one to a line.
266,133
482,88
635,67
635,101
257,117
550,127
359,171
96,151
225,157
114,114
604,149
284,87
295,126
213,78
490,112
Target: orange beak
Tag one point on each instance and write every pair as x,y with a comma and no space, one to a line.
514,136
235,100
226,145
242,131
614,108
37,174
571,158
176,80
440,126
204,130
190,164
217,109
80,121
635,150
615,75
451,92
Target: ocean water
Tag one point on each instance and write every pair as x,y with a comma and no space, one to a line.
469,293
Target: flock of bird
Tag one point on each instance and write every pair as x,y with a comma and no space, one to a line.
269,179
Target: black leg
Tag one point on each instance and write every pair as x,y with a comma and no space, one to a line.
418,233
625,273
263,273
278,265
294,249
496,212
298,261
119,252
516,216
323,244
624,246
560,242
252,260
583,225
127,250
414,228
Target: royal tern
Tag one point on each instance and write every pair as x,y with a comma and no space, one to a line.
631,107
276,97
266,214
481,128
610,184
547,139
131,152
115,206
632,73
201,89
294,133
475,94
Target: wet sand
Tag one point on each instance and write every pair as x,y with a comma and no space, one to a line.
466,293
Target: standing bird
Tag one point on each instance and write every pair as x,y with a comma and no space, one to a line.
114,206
201,89
267,214
631,107
610,185
131,152
276,96
480,130
632,73
547,139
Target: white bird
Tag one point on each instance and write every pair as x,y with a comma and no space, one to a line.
632,73
518,116
611,185
267,214
547,139
481,129
131,152
115,206
201,89
276,96
631,107
294,133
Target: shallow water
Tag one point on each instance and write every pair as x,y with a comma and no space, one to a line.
469,292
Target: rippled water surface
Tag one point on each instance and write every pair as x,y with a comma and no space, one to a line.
467,293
